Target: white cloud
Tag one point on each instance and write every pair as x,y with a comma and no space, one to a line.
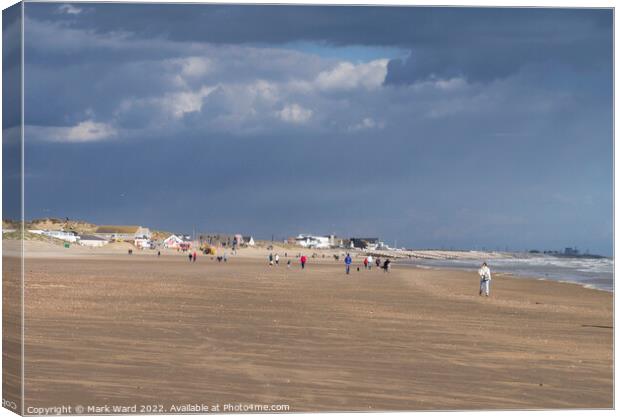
265,90
230,88
193,67
347,76
366,123
175,104
294,113
183,102
86,131
187,70
451,84
69,9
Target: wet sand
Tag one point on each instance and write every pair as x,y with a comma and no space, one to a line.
125,330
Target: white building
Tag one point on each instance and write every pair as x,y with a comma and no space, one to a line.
172,242
248,240
309,241
92,241
57,234
142,243
383,246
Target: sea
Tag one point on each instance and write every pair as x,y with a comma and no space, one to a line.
597,273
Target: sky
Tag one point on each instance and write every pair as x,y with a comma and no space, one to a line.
426,127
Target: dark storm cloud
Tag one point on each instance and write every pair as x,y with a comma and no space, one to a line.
496,44
478,43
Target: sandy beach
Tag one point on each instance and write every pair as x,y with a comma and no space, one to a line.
114,329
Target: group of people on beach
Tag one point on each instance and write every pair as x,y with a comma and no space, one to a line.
484,272
193,255
275,260
368,260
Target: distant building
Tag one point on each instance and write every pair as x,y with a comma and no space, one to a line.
57,234
142,243
247,240
172,242
382,246
123,232
92,241
310,241
368,243
571,251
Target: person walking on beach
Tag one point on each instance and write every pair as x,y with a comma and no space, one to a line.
190,257
366,263
485,279
303,261
347,263
386,265
277,258
369,262
378,262
270,259
194,256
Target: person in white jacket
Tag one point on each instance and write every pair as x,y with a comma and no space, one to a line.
485,279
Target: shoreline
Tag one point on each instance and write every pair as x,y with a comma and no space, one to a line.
510,275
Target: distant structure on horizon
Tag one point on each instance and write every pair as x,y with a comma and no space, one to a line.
92,241
177,242
571,251
67,236
368,243
123,232
331,241
315,242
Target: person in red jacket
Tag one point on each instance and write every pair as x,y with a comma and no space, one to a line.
303,260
